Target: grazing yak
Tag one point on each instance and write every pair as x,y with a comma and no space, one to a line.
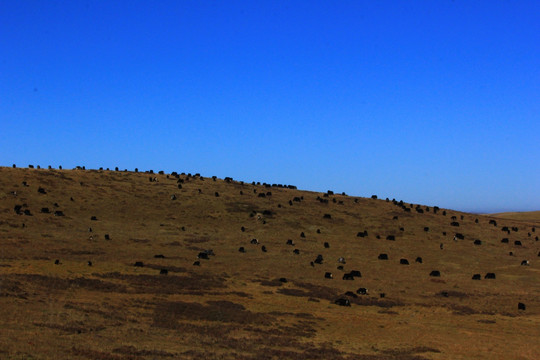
342,302
383,257
362,291
328,275
348,276
404,261
435,273
476,277
490,276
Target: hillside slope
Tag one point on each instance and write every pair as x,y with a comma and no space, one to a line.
255,304
528,216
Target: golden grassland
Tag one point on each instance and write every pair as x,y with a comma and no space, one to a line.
237,305
531,216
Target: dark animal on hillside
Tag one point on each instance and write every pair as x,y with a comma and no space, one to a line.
319,259
41,190
56,262
418,260
139,264
505,228
355,273
93,218
525,263
362,291
426,229
360,234
454,223
283,280
173,197
351,294
197,263
435,273
342,302
296,251
302,235
290,242
454,218
381,295
45,210
312,263
490,276
391,237
107,237
348,276
327,216
341,260
328,275
514,229
477,242
493,222
27,212
263,248
159,256
243,229
340,267
404,261
216,194
326,245
504,241
460,236
476,277
163,272
521,306
89,263
241,249
17,209
383,257
318,231
254,241
517,243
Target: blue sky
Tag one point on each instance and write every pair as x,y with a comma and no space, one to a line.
431,102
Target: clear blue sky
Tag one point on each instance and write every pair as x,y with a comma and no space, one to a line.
431,102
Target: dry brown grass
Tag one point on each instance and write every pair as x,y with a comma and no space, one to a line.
234,305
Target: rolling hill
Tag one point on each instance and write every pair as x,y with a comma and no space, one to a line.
101,264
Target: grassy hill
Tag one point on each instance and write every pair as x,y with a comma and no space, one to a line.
253,304
529,216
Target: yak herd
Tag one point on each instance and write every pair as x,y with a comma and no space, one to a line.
23,210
